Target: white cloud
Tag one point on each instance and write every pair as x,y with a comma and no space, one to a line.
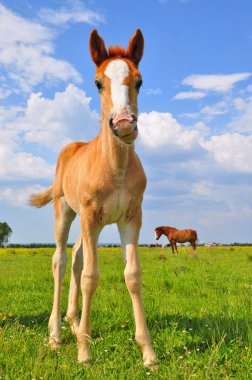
158,130
153,91
208,83
162,132
249,88
26,54
65,118
207,189
17,165
239,104
231,150
243,121
49,123
217,109
18,196
210,112
217,83
228,194
190,95
76,13
15,29
4,92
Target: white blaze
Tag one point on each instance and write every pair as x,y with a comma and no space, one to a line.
117,71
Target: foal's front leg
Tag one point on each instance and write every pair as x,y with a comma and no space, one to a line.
173,247
63,219
129,237
89,282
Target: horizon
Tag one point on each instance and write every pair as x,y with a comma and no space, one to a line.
113,244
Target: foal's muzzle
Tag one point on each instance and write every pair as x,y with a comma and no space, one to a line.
124,126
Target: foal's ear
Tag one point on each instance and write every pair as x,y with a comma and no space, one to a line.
136,47
97,48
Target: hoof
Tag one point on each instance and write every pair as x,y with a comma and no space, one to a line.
153,367
84,341
74,324
84,358
151,361
54,343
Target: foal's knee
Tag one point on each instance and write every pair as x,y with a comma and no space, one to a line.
59,262
133,281
89,282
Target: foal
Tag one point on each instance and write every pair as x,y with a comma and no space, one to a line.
103,181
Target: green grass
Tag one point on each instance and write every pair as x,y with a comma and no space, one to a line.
198,309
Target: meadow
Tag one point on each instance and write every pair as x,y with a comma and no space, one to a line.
198,309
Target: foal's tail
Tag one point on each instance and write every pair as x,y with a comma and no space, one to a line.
41,199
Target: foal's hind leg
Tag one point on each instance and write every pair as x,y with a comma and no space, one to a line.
77,266
176,249
63,219
172,247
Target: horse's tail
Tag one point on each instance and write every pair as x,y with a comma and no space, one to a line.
196,236
41,199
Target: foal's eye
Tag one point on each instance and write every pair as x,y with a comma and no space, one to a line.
139,83
99,85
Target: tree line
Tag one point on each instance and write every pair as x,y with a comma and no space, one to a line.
5,232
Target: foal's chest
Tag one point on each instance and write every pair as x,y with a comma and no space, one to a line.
118,206
113,197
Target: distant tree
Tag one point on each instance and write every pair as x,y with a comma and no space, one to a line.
5,232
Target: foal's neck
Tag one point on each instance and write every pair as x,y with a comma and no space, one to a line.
116,153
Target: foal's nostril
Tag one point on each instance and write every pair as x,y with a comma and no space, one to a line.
134,117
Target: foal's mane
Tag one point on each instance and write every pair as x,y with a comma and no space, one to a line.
118,51
165,228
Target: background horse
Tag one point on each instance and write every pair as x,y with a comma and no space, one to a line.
177,236
103,181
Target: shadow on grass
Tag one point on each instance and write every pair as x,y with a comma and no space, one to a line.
203,331
26,321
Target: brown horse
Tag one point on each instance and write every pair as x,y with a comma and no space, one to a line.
103,181
177,236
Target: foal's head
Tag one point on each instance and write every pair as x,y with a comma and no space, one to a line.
118,82
163,230
158,232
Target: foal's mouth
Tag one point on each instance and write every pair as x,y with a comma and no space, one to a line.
126,130
130,137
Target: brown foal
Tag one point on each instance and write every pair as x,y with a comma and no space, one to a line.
103,181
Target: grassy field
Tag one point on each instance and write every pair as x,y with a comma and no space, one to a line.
198,309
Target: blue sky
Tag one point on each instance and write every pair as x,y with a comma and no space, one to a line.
195,118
